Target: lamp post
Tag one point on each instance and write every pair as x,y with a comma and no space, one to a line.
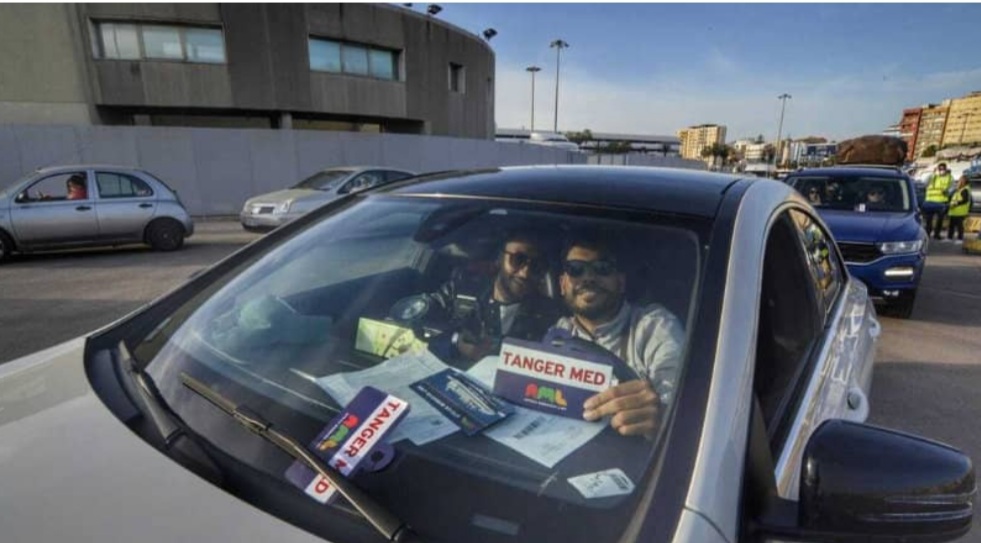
559,45
783,104
533,70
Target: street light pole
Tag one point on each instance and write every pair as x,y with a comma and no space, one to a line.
559,45
533,70
783,104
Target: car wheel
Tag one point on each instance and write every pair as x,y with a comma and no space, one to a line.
902,307
165,235
6,246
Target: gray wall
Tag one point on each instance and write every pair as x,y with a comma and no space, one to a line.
646,160
215,170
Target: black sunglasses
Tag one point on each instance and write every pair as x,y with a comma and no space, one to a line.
518,260
578,268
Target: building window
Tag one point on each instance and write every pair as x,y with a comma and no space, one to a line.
458,78
163,42
120,41
353,58
130,41
204,45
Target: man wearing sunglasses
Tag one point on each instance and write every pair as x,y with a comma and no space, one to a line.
511,304
649,339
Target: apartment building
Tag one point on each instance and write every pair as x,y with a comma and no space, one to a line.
963,125
933,120
695,138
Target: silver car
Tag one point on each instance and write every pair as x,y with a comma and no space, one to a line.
248,403
88,205
274,209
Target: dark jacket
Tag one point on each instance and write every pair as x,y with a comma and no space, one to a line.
465,304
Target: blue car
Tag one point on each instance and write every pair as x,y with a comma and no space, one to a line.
874,217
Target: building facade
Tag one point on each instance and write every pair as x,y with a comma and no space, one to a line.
930,133
909,127
695,138
963,125
360,67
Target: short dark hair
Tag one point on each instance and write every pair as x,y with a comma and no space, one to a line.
76,179
606,248
942,165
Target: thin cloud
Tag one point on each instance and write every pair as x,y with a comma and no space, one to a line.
837,108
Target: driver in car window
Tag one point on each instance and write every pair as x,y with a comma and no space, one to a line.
649,338
76,188
485,309
876,198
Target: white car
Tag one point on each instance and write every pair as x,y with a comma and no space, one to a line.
216,412
271,210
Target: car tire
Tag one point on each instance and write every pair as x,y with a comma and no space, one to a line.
165,235
6,246
902,307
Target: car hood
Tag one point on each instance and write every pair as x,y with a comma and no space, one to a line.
293,195
73,472
870,227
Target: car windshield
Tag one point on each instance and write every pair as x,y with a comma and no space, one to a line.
391,291
328,180
854,192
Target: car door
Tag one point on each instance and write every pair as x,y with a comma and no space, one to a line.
43,214
125,206
815,343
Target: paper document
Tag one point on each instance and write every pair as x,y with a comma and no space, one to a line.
423,423
543,438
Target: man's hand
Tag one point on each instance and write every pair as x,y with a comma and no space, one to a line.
634,407
474,348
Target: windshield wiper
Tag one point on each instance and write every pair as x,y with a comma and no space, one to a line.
379,517
177,438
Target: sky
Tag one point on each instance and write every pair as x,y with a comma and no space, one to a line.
655,68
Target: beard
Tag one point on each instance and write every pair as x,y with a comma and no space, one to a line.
514,288
591,301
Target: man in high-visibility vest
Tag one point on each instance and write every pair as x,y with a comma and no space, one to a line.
960,206
938,190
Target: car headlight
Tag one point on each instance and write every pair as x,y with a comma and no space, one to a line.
284,207
897,247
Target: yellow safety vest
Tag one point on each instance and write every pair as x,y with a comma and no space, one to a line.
938,187
960,203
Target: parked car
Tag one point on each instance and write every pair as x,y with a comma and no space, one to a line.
191,417
267,211
883,243
107,205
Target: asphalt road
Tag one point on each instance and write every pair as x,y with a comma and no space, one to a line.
926,369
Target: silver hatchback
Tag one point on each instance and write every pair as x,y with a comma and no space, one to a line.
86,205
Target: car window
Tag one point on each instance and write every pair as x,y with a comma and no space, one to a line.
395,175
377,293
58,187
364,181
864,193
788,329
822,260
328,180
118,185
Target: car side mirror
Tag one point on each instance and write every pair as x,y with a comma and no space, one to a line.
21,198
860,482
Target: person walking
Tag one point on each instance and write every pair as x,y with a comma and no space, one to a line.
960,206
935,205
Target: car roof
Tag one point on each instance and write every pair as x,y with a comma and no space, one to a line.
363,168
69,167
872,171
668,190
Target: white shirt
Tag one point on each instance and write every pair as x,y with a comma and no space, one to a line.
650,339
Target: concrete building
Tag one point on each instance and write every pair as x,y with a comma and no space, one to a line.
357,67
909,127
964,121
933,120
695,138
